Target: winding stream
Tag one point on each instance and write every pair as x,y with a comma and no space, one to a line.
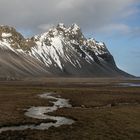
41,113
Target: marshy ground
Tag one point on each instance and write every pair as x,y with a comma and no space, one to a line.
102,108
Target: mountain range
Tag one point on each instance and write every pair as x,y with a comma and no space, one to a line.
60,52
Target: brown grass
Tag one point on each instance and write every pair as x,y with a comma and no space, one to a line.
118,122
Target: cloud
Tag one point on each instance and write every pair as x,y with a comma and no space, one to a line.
38,15
120,30
135,33
44,27
130,12
116,27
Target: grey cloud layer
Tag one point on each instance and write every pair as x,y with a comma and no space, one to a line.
39,15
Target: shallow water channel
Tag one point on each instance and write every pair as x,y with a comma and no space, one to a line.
129,84
40,112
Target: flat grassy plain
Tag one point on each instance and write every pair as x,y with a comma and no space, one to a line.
102,110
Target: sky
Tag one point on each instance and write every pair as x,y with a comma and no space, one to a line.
115,22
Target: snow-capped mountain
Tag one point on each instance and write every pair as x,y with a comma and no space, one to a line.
61,51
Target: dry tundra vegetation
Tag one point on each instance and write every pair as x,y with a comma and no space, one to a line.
101,109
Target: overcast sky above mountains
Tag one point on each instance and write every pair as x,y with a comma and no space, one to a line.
116,22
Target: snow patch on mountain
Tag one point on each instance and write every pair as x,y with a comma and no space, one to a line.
4,44
6,35
46,53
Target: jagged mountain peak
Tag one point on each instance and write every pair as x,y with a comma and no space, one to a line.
8,31
75,27
11,39
11,32
66,36
62,50
61,30
72,34
61,26
55,48
6,28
